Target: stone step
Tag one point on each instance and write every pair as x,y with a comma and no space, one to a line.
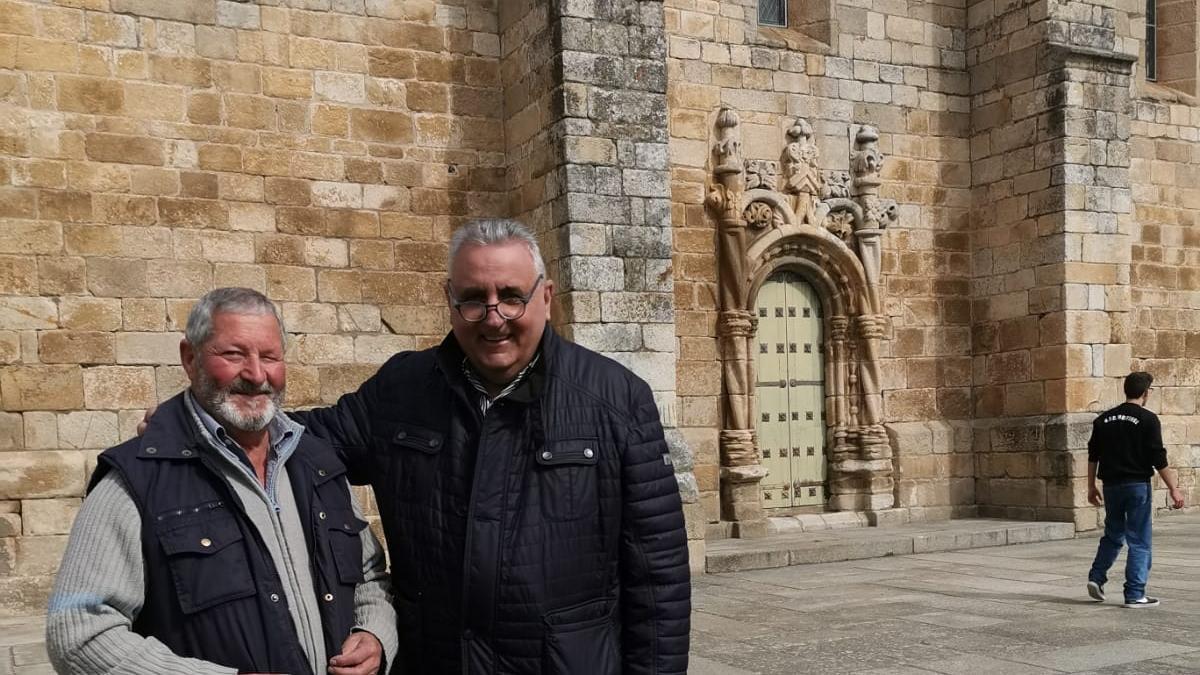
857,543
23,646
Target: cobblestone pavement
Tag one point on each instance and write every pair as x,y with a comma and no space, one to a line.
1012,610
1008,610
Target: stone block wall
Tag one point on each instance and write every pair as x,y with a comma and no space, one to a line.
1053,209
1165,269
319,151
896,67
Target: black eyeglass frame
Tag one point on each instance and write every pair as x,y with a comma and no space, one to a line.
487,308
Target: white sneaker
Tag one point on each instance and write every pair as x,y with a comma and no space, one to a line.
1096,591
1144,601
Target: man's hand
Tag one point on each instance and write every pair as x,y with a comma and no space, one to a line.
141,428
361,655
1176,498
1094,495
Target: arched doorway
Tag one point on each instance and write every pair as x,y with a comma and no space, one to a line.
790,392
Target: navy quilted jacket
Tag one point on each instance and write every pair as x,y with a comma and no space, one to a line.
544,537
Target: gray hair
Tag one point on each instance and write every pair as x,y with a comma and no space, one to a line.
233,300
489,231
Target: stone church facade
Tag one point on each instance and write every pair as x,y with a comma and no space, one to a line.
885,258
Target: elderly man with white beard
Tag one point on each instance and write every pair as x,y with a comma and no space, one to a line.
224,539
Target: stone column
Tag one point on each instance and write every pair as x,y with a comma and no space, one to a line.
596,178
1051,249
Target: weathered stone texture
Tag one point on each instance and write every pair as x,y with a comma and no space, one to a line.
151,152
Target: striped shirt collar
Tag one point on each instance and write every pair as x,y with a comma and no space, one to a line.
486,401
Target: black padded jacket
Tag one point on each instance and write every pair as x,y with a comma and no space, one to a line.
546,536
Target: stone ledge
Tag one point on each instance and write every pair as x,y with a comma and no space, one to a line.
852,543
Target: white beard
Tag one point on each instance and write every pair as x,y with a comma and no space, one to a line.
218,404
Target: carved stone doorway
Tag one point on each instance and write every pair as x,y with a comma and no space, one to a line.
791,215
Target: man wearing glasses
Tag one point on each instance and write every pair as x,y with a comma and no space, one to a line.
532,516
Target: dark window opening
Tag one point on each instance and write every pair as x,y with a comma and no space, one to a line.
1151,40
772,12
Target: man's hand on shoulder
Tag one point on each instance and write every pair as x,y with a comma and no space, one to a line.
362,654
141,427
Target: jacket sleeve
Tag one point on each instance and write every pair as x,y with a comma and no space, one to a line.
99,592
346,426
655,579
373,611
1156,451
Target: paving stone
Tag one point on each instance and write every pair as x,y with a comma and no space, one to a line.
1018,609
1073,659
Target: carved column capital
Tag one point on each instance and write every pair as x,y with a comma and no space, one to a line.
739,448
869,326
839,326
736,323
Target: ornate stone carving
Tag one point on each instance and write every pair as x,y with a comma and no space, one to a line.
729,145
802,176
759,215
774,215
761,174
841,224
867,164
837,185
866,161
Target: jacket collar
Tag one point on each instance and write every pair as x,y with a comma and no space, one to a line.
171,433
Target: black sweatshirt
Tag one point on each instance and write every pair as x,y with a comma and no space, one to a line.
1127,442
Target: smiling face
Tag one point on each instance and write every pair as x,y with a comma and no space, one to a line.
238,374
498,349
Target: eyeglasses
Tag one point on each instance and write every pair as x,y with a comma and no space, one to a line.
509,309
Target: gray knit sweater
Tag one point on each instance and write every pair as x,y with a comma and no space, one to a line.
99,590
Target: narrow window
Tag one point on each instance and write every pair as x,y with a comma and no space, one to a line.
774,12
1151,40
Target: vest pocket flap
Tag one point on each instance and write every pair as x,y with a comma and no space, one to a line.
574,451
345,543
328,473
203,538
345,522
418,438
207,561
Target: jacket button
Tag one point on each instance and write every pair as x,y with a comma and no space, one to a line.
186,453
151,450
401,435
468,634
321,515
547,455
329,597
320,472
589,453
433,442
274,597
206,542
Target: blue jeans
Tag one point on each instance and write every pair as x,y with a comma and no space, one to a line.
1126,520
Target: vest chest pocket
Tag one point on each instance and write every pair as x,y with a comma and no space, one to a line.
345,543
208,561
567,475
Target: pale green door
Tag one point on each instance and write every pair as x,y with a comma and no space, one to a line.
790,391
